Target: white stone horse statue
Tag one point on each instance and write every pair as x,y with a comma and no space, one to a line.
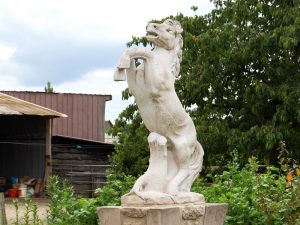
175,154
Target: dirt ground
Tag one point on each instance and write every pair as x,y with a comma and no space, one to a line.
11,211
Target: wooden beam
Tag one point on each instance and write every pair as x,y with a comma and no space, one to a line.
2,210
48,156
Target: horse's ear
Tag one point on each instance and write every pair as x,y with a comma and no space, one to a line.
178,27
179,30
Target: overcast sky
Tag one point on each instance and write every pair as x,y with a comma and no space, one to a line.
75,44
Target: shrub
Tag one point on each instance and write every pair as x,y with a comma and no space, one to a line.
117,185
65,208
268,198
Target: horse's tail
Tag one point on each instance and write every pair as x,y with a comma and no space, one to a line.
195,166
197,158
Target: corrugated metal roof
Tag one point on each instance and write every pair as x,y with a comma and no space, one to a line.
14,106
105,96
86,112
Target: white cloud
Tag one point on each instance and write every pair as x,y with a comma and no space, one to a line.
58,41
94,20
11,83
6,52
99,82
96,82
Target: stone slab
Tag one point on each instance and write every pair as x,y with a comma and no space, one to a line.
156,198
203,214
109,215
215,213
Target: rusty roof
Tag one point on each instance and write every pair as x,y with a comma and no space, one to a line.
86,112
105,96
14,106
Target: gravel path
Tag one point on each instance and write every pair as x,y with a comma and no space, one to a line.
11,211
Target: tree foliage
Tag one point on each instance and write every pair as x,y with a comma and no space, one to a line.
239,79
131,155
242,73
49,88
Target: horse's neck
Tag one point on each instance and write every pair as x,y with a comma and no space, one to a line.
164,54
168,58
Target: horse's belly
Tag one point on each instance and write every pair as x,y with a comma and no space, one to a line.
160,118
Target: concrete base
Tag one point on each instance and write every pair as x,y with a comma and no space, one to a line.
151,198
203,214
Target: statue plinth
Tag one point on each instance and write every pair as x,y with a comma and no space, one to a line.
203,214
157,198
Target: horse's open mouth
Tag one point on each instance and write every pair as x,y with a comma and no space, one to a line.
151,34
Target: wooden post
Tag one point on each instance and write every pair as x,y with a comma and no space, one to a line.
48,160
2,210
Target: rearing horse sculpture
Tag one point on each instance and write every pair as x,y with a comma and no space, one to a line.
173,134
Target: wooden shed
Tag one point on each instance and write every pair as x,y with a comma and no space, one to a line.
79,153
25,138
86,112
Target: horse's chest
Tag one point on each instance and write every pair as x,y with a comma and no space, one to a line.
157,116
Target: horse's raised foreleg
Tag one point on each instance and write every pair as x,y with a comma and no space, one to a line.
125,62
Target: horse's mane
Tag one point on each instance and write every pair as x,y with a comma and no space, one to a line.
178,49
178,44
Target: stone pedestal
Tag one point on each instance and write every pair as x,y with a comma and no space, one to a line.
203,214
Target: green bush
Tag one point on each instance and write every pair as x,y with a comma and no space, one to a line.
117,185
65,208
266,198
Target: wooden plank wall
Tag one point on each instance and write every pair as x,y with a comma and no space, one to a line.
83,164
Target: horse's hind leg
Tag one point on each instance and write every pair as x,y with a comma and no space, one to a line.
189,157
195,164
182,154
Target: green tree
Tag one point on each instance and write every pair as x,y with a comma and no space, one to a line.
242,73
239,79
132,153
49,88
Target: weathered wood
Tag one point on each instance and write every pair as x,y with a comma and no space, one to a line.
48,161
3,220
100,153
83,167
76,162
82,177
74,156
77,169
85,174
94,154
